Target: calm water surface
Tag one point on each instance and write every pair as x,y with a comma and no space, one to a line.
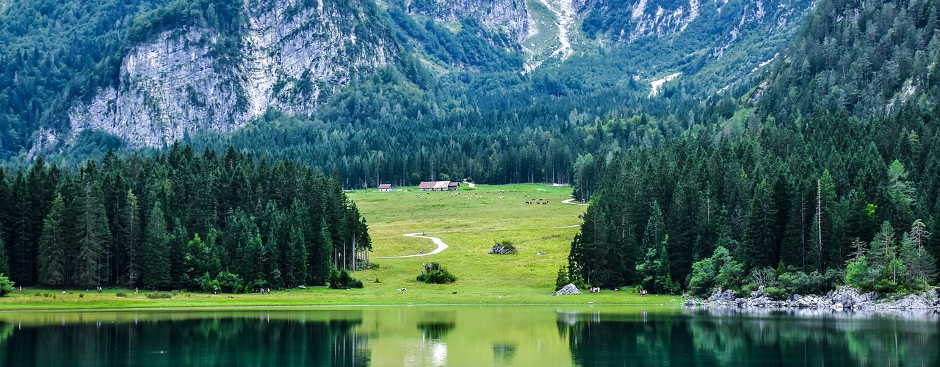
466,336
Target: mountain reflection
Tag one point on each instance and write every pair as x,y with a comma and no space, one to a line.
723,338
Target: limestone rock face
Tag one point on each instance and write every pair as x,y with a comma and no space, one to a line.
510,17
291,55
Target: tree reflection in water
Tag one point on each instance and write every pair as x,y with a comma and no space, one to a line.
728,338
191,342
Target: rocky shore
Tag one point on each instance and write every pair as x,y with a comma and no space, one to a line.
842,299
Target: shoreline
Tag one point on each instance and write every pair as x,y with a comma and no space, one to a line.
843,299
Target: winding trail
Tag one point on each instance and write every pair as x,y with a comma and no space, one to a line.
441,246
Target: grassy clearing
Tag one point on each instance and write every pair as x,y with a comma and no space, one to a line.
469,221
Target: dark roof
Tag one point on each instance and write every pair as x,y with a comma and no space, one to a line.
454,184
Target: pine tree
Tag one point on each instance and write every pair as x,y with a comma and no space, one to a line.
297,258
655,228
52,270
178,240
759,249
128,234
321,262
155,251
4,259
654,270
92,235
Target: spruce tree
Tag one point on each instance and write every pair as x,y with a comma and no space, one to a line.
52,257
654,269
130,235
321,256
92,235
4,259
155,251
759,248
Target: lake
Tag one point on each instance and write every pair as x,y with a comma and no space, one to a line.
466,336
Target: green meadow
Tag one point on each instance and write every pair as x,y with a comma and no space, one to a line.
470,220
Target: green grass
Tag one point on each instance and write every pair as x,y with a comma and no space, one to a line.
469,221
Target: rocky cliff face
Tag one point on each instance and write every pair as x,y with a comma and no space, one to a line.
291,55
629,20
509,17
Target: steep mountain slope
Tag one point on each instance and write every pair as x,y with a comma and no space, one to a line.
867,57
713,42
186,68
289,55
53,51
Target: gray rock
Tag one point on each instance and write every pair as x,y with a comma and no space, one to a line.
567,290
500,249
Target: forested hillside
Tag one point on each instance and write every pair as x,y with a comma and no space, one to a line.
52,51
796,187
177,220
393,92
866,57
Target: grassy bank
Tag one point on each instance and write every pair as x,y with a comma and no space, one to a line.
469,221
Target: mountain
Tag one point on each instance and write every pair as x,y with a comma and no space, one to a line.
866,57
822,172
172,69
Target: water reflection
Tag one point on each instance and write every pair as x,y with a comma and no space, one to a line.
733,338
193,342
469,336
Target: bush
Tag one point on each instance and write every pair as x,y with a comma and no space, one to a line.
6,285
342,280
230,283
719,270
503,248
207,284
799,282
776,293
159,295
121,294
435,273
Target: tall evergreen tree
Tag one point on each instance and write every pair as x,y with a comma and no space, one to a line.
129,234
92,235
52,256
154,254
759,248
4,259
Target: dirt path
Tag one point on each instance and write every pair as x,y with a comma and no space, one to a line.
571,202
441,246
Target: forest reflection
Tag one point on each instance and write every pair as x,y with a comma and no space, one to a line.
509,336
732,338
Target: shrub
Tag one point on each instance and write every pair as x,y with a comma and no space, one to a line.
342,280
776,293
562,279
503,248
230,283
159,295
6,285
435,273
207,284
121,294
719,270
799,282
